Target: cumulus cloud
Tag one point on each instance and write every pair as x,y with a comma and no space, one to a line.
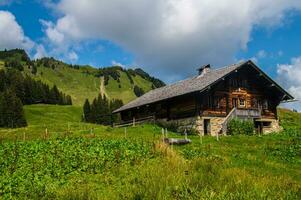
72,56
289,75
115,63
12,35
172,37
40,52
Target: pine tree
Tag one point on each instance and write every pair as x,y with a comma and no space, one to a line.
94,110
101,110
87,111
34,69
138,91
69,100
55,95
12,114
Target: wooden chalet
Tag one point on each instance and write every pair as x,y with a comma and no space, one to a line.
208,101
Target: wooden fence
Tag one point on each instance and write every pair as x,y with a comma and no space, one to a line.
134,121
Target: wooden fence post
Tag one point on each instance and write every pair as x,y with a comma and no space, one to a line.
201,138
125,132
24,136
46,133
133,121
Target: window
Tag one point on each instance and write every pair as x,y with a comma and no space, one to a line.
242,102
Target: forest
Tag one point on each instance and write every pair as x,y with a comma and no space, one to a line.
17,90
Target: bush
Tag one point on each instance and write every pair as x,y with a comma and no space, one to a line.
240,127
138,91
170,125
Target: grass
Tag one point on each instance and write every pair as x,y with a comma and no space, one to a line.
114,164
81,85
126,91
1,64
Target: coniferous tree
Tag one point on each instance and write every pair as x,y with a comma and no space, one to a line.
31,91
115,104
101,110
69,100
11,109
87,111
34,69
55,95
138,91
94,110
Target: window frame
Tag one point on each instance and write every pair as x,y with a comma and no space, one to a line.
244,102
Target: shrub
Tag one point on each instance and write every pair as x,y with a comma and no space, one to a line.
138,91
171,126
240,127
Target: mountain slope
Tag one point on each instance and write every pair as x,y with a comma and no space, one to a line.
83,82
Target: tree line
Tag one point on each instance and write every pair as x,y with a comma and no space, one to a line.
100,110
17,90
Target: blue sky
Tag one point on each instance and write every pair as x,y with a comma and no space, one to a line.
168,39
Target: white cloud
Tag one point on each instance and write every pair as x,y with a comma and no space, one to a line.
52,33
289,75
115,63
72,56
40,52
172,36
11,33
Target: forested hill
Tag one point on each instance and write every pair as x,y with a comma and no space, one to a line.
81,82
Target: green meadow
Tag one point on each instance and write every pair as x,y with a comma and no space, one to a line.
76,160
82,85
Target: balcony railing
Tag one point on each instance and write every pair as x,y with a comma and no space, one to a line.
239,113
248,113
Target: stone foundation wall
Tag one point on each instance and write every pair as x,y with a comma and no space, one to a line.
194,124
215,125
275,127
197,124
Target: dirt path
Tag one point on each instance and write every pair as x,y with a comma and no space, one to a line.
102,89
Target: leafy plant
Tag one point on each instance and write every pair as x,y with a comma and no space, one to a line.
240,127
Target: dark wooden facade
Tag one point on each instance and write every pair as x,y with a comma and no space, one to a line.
245,89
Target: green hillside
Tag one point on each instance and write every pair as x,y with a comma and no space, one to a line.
81,85
83,82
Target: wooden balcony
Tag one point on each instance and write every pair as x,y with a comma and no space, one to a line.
248,113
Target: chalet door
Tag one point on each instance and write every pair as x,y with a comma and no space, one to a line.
207,126
234,102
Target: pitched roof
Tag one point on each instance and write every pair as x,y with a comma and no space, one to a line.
193,84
